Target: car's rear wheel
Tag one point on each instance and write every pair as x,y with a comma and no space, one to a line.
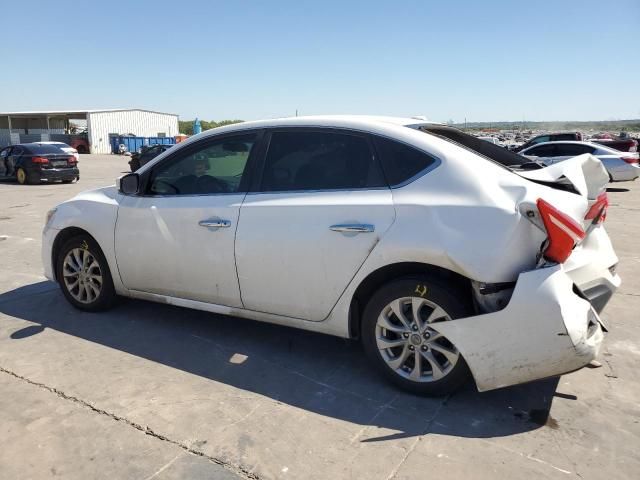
83,274
22,177
401,339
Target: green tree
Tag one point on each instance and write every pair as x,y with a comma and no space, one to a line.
186,126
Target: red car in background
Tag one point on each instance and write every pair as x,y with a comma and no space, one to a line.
80,144
622,144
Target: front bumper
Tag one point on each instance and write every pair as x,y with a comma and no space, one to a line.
547,329
48,237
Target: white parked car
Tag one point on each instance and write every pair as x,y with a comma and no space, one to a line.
621,166
446,264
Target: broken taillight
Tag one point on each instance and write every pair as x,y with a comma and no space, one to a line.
563,232
598,211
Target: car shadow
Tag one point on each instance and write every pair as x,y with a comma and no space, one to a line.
617,189
319,373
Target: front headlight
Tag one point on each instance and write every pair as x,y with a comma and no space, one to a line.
50,215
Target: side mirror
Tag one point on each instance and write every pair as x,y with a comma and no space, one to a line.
129,184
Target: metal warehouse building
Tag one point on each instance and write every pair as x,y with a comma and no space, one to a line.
87,130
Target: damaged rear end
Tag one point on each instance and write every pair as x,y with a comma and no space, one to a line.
547,322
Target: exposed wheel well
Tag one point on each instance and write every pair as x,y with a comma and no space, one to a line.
379,277
61,238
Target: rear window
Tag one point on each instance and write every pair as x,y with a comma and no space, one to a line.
564,136
401,162
489,150
573,149
44,149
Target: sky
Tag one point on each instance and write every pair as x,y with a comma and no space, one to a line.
447,60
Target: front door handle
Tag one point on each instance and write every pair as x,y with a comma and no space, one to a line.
353,228
215,223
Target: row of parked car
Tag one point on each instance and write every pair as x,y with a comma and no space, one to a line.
619,156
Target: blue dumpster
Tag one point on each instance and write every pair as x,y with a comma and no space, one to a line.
134,144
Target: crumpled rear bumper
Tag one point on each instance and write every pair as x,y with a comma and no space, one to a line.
547,329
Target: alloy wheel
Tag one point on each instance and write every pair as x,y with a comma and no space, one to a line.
82,275
408,343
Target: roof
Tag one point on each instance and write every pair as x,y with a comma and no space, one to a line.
340,121
82,112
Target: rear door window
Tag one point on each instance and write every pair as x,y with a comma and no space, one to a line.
318,160
542,151
401,162
542,139
571,149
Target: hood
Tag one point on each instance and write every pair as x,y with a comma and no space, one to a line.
585,172
103,194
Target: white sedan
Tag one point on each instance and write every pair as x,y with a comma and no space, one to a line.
446,264
620,166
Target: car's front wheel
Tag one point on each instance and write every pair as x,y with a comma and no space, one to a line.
400,336
83,274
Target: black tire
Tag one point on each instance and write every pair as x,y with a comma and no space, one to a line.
447,296
107,295
68,181
81,149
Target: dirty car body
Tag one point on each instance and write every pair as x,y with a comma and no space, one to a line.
388,256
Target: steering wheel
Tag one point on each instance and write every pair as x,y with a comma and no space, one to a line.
171,188
209,184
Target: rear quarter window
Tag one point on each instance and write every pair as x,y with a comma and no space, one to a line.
401,162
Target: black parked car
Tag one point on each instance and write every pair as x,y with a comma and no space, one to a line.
146,154
34,162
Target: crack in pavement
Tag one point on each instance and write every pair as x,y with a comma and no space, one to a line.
413,446
144,429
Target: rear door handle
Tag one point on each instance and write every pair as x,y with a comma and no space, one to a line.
215,223
353,228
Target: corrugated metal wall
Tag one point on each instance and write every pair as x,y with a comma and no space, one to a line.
138,122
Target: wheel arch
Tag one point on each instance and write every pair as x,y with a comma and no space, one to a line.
64,235
379,277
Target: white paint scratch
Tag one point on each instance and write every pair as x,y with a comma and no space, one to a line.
165,466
